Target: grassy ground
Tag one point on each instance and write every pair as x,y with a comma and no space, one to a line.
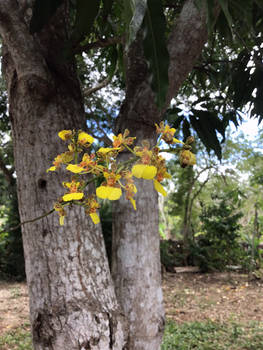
204,312
213,336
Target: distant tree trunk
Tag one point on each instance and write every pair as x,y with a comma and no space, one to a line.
72,300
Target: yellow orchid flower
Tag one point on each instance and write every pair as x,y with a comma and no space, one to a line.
111,178
74,193
159,188
84,138
109,192
61,220
65,134
133,203
52,168
95,218
61,212
131,190
123,139
75,168
187,158
62,158
72,196
144,171
106,150
90,208
167,133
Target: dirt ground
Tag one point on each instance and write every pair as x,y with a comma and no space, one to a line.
218,297
188,297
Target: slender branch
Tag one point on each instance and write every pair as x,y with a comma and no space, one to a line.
197,194
103,138
99,44
101,85
27,222
106,138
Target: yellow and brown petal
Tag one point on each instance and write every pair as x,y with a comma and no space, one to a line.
84,138
187,158
65,134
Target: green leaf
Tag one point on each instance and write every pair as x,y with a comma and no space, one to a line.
224,6
86,13
259,3
43,10
210,5
186,129
206,131
155,49
107,6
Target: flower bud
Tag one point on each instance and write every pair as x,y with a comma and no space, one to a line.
189,140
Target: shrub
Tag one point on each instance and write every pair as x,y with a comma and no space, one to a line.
219,245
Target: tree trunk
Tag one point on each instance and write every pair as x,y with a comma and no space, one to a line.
72,300
135,256
136,268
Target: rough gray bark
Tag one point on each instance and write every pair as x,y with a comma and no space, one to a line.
136,268
136,260
72,299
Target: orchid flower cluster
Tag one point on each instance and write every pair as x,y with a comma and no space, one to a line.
85,167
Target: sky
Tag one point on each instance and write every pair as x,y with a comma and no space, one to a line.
249,127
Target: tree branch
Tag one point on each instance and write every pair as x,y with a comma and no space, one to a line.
20,44
100,85
185,44
99,44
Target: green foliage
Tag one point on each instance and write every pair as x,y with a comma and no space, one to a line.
155,49
86,13
172,254
228,75
11,247
212,336
17,339
219,245
207,124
